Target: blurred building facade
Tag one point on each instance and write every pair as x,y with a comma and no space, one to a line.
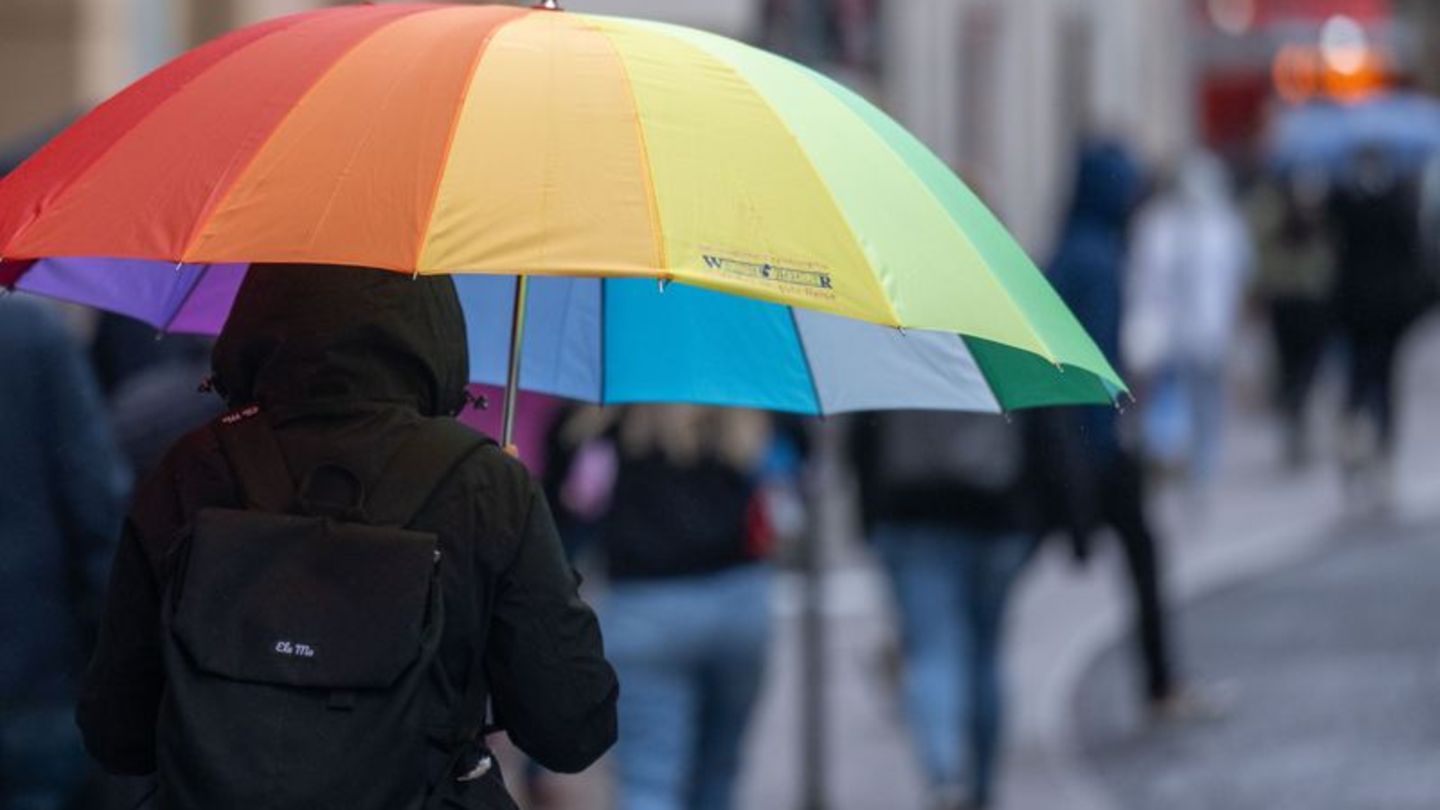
59,57
1003,90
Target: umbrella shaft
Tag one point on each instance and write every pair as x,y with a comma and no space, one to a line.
512,380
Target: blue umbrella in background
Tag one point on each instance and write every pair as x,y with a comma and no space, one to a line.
1326,134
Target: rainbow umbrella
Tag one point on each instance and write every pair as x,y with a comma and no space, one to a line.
498,141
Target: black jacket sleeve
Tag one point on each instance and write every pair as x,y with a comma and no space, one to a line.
120,696
552,688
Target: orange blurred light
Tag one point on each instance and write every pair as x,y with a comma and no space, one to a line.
1296,72
1366,76
1301,73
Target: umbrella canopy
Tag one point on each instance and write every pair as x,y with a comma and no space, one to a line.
497,141
614,341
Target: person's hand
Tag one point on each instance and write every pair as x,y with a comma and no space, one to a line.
512,451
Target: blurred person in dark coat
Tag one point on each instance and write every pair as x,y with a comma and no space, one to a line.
1295,256
1381,290
154,406
687,616
60,513
946,500
1090,475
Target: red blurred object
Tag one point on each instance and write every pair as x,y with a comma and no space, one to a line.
1272,12
760,535
1231,105
1365,11
1233,97
10,272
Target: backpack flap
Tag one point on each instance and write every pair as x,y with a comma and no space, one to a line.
304,601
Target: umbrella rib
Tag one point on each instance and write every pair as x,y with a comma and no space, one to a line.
647,170
218,196
835,89
195,282
804,156
479,57
805,357
824,184
990,387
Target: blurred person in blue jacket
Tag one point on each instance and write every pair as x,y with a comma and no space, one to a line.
1295,277
60,513
1089,477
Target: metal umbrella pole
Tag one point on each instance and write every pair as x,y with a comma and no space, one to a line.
812,663
512,378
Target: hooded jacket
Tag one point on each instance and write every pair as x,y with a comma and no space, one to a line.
346,363
1088,271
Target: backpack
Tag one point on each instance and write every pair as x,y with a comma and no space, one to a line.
970,452
300,643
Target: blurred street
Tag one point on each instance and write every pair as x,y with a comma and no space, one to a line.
1335,663
1312,627
1284,551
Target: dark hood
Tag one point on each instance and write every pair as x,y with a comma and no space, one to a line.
1107,187
318,335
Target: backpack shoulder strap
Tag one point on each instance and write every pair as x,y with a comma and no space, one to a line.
420,465
250,446
410,478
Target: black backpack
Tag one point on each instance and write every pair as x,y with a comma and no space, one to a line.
979,453
300,644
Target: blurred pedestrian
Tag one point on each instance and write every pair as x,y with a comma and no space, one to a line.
687,616
579,473
348,666
60,512
945,501
1295,257
1382,289
1090,475
154,406
123,347
1189,266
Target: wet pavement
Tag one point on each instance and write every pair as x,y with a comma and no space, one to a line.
1334,666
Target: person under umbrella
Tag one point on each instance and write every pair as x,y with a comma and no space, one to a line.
342,370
